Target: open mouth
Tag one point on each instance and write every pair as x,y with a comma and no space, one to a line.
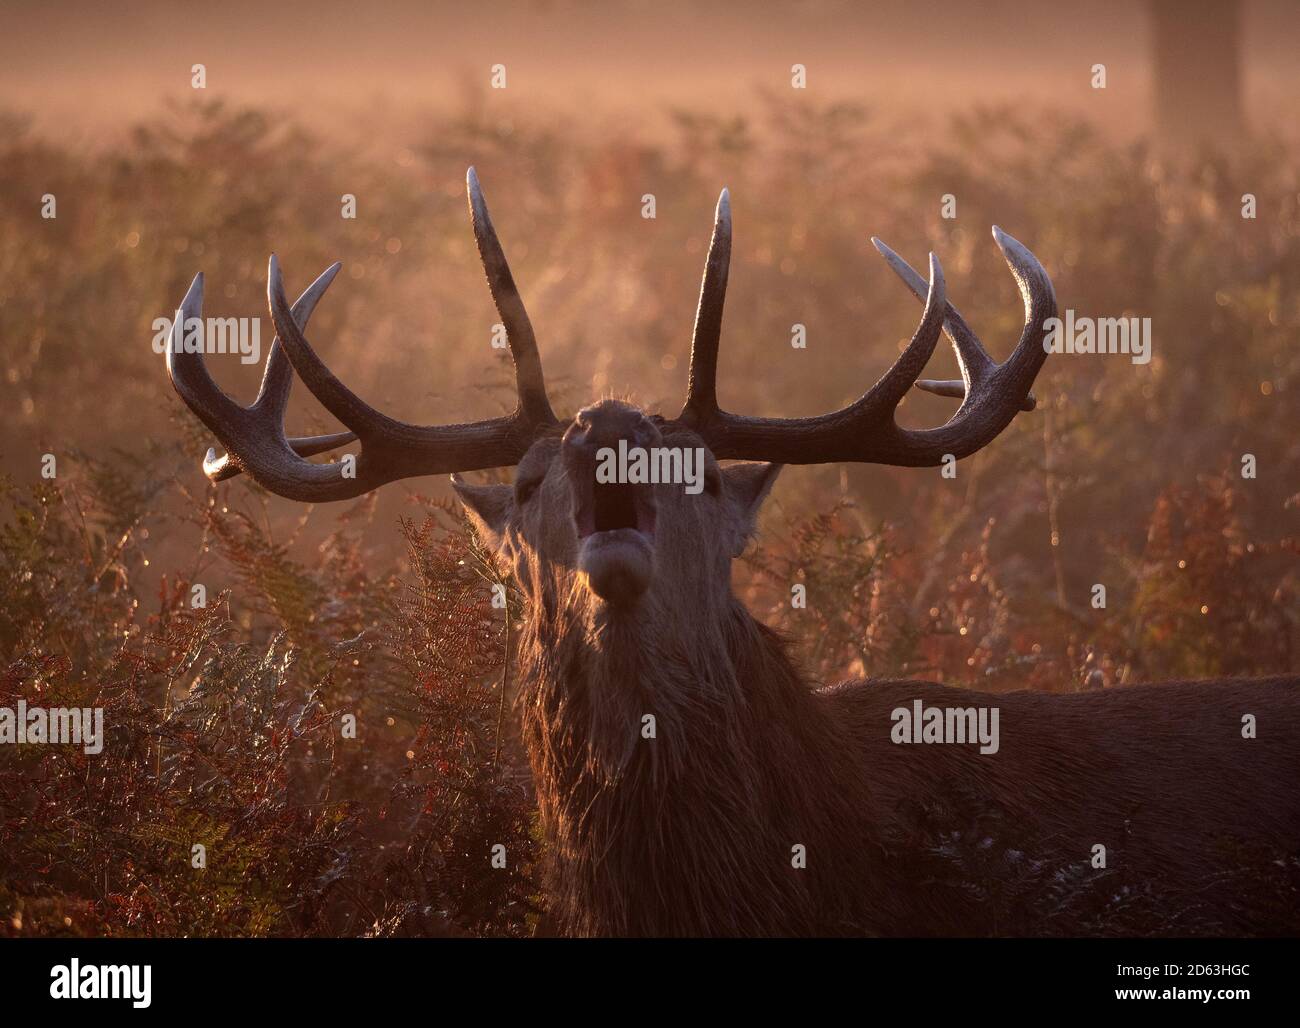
613,506
615,523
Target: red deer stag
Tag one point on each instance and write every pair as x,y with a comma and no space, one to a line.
760,804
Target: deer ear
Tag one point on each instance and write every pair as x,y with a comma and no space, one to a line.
746,487
488,507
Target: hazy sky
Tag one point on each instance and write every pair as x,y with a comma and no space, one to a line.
88,68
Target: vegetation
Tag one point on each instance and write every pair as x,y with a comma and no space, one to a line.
226,722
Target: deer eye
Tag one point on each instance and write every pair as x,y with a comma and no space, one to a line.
524,490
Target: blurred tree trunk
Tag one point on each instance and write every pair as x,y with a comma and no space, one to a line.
1197,59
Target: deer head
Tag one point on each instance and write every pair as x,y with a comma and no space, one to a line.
557,523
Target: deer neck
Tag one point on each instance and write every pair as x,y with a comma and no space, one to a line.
655,691
670,750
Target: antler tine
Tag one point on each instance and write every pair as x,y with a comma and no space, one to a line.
337,398
278,377
189,373
530,381
224,466
1039,296
885,396
702,390
972,358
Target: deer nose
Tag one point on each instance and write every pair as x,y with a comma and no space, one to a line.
603,425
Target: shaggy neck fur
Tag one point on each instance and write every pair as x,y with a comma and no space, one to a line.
690,832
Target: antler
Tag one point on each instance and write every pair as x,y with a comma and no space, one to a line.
254,436
866,431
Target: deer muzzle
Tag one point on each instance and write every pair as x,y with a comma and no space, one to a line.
614,517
